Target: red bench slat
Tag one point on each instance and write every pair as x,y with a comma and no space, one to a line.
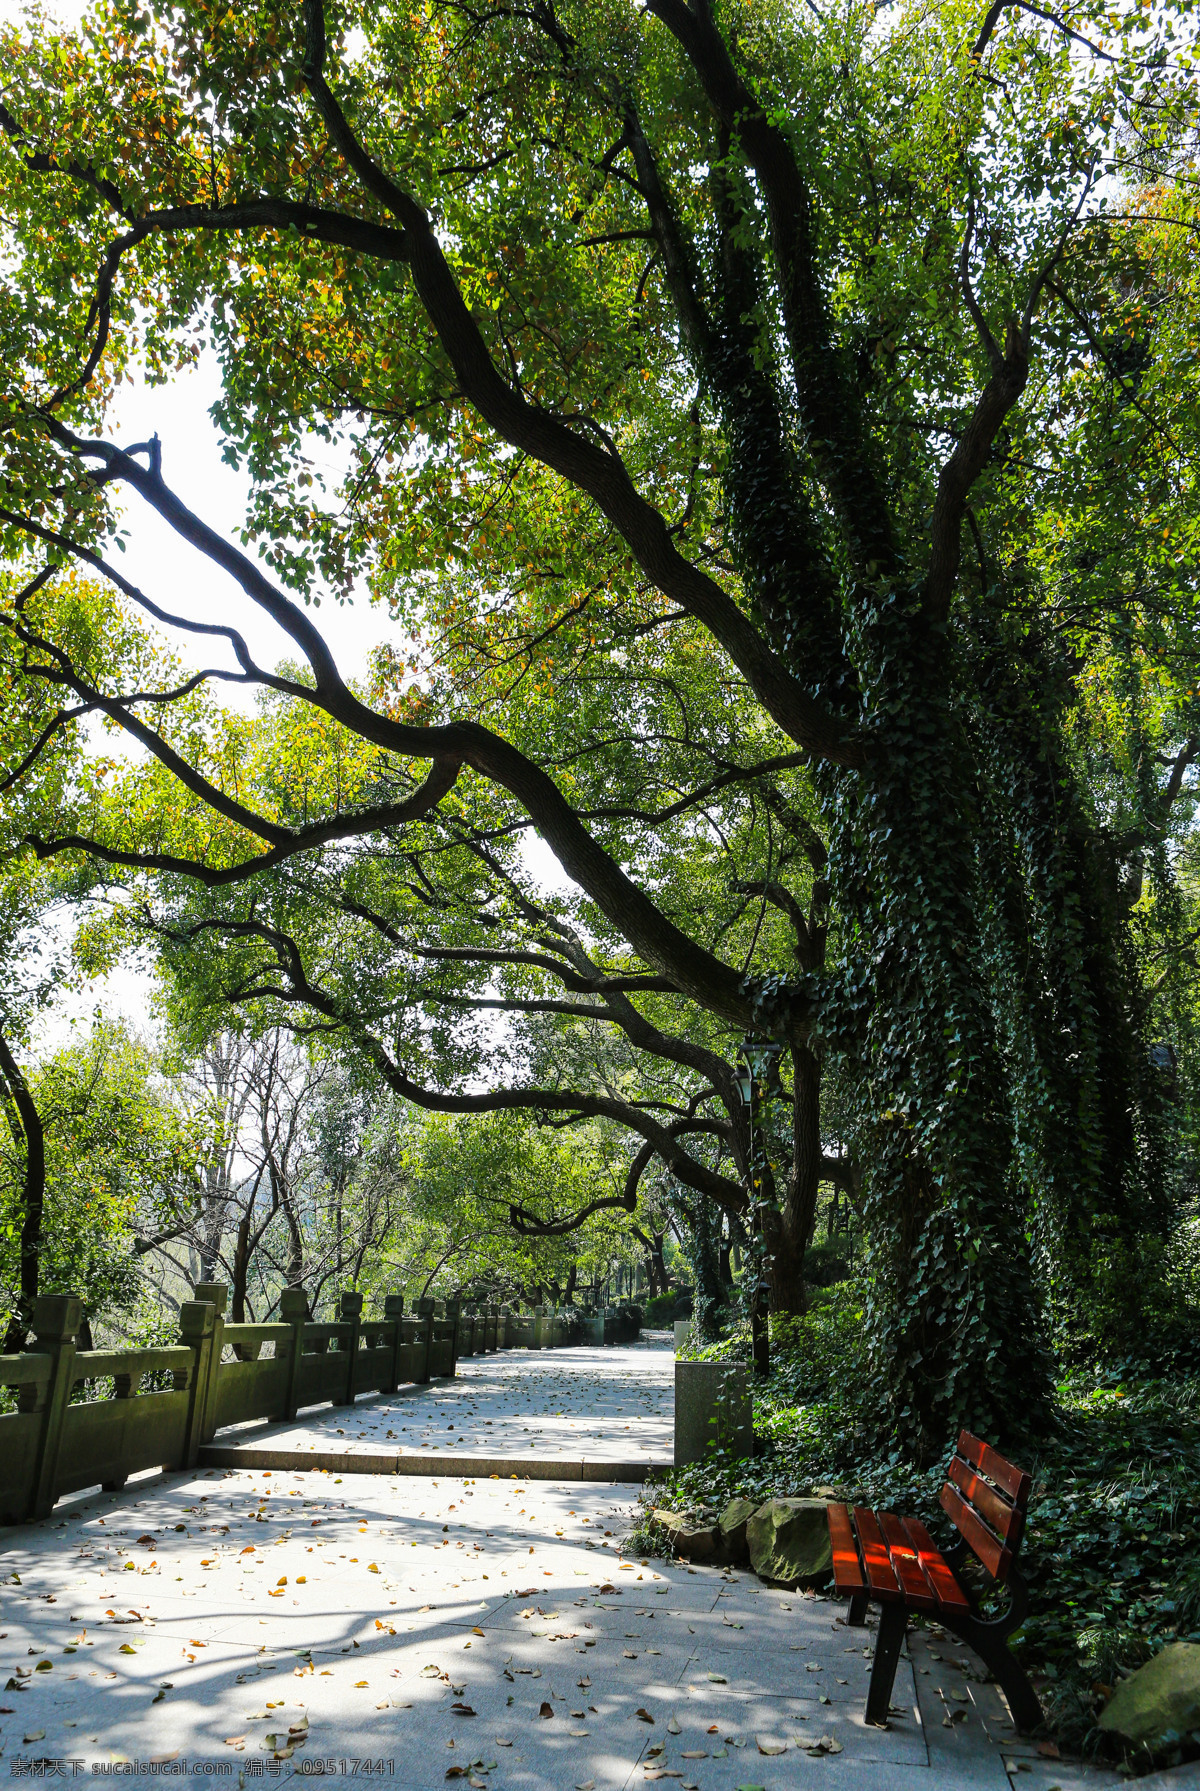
875,1555
995,1557
993,1507
1011,1479
847,1568
937,1571
905,1564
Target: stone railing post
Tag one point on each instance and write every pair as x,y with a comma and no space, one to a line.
393,1312
427,1309
454,1314
198,1329
713,1410
293,1310
56,1320
350,1312
215,1294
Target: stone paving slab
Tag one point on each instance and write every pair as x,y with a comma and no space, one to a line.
375,1461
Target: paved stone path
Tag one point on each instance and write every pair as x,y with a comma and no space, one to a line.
489,1631
602,1405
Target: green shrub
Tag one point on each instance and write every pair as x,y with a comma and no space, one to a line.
664,1309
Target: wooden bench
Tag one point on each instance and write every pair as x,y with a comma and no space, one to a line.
891,1561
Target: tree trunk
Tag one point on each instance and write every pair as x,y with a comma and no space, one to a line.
30,1140
658,1266
293,1272
790,1226
952,1319
241,1269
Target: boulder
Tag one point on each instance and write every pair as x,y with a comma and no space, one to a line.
732,1525
1160,1703
789,1543
694,1541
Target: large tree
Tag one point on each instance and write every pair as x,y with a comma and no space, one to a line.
701,333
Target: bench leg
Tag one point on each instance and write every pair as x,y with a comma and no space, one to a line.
994,1652
1022,1699
893,1624
856,1616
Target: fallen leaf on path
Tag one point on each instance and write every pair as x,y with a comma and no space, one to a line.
464,1710
546,1710
674,1726
765,1745
644,1715
35,1735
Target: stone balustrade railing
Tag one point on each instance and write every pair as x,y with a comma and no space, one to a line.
57,1442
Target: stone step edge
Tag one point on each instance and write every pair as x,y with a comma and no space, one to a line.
452,1466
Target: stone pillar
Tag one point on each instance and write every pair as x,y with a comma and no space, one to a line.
293,1310
713,1410
56,1320
427,1310
198,1329
454,1314
393,1312
216,1294
350,1313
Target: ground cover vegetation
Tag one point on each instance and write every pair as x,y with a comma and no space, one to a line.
770,442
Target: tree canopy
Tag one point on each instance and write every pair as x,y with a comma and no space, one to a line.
771,437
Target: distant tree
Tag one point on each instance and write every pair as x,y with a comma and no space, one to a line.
115,1174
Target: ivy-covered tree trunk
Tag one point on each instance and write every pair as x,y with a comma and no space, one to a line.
952,1312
